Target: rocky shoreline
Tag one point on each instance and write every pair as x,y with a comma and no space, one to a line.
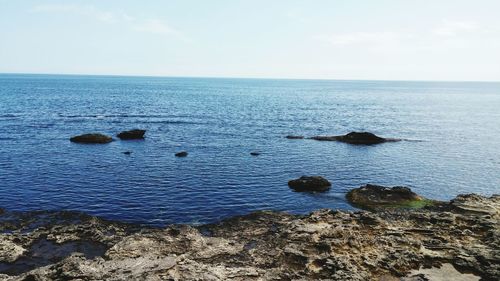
391,244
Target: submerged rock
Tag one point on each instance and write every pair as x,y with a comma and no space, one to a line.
358,138
181,154
292,137
91,138
310,183
376,196
132,134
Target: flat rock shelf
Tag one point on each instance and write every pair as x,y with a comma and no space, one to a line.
460,236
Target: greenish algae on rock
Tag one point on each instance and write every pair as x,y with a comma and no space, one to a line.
372,197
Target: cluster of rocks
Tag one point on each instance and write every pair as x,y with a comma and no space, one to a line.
462,234
98,138
101,138
320,184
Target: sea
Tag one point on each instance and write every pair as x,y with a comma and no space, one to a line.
450,133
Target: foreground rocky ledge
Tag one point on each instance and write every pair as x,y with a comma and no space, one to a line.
326,244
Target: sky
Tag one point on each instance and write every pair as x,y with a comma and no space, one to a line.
453,40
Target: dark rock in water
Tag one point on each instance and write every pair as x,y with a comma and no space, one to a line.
310,183
359,138
292,137
91,138
127,152
181,154
376,196
255,153
132,134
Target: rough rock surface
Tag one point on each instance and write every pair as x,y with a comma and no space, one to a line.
324,245
310,183
132,134
375,196
358,138
91,138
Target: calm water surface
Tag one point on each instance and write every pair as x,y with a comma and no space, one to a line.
452,131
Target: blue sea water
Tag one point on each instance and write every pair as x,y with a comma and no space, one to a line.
451,131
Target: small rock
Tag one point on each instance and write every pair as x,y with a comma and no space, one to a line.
310,183
91,138
292,137
181,154
255,153
127,152
132,134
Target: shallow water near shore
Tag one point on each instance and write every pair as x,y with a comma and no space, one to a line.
451,132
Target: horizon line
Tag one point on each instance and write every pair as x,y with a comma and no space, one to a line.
242,77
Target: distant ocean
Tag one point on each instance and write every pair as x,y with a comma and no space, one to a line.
452,133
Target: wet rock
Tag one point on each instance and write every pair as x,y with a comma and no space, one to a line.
376,196
91,138
293,137
357,138
310,183
132,134
181,154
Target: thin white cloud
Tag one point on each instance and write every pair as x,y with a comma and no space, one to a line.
84,10
152,26
408,39
345,39
453,28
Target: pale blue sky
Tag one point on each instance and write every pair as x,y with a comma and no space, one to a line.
326,39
